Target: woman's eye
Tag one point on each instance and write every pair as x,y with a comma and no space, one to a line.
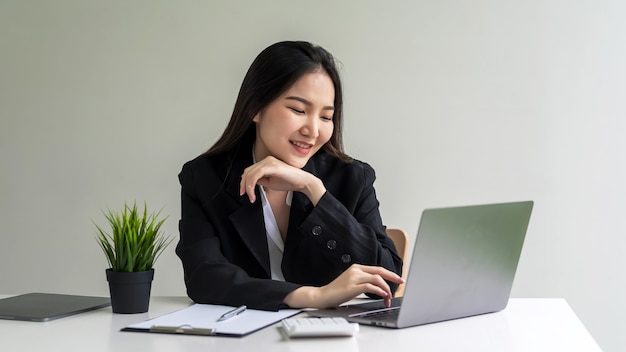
297,111
326,118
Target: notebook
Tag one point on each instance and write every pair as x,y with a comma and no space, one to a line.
463,264
48,306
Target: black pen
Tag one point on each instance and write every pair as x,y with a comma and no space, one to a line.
232,313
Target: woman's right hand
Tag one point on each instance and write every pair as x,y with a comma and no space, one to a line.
275,174
357,279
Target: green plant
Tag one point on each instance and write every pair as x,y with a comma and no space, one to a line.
136,240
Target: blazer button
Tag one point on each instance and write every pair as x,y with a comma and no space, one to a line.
316,231
346,258
331,244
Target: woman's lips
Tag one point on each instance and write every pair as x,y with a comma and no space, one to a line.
302,147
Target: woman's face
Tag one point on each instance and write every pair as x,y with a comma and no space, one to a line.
298,123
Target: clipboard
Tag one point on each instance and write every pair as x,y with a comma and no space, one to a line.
201,319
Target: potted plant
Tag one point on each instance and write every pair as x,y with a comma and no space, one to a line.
131,248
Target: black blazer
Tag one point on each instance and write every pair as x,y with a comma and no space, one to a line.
223,243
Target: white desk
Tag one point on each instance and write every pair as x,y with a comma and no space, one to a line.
525,325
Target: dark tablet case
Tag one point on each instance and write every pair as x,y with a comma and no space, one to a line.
48,306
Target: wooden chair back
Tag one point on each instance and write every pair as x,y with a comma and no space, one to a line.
401,241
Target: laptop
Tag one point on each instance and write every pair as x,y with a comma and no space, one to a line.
463,264
48,306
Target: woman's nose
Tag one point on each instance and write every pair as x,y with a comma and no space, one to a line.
310,127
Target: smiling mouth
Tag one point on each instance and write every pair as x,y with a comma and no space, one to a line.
302,145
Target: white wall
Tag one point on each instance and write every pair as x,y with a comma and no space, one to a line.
452,102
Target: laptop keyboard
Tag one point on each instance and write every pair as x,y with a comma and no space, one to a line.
385,315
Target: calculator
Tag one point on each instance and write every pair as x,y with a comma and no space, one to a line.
319,327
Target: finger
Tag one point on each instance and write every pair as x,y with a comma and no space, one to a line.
363,278
246,186
374,289
382,272
251,194
242,186
242,182
380,282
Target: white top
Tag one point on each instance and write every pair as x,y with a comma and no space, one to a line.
275,243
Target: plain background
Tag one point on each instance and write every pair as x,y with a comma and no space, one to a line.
452,102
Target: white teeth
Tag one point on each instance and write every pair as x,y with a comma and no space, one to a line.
305,146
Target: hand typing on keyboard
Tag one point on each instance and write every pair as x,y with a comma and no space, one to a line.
318,327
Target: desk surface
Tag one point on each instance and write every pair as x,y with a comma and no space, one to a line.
525,325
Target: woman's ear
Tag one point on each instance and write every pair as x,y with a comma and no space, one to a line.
257,117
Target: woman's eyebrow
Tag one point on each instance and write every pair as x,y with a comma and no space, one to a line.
308,103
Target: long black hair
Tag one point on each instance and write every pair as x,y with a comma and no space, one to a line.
272,73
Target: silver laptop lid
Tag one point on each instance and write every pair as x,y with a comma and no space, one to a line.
464,261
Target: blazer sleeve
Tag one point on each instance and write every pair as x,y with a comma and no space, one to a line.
345,227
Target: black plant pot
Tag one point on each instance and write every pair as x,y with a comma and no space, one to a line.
130,292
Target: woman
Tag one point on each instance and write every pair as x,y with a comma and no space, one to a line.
275,214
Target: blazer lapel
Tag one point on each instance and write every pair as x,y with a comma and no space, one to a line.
248,218
249,223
